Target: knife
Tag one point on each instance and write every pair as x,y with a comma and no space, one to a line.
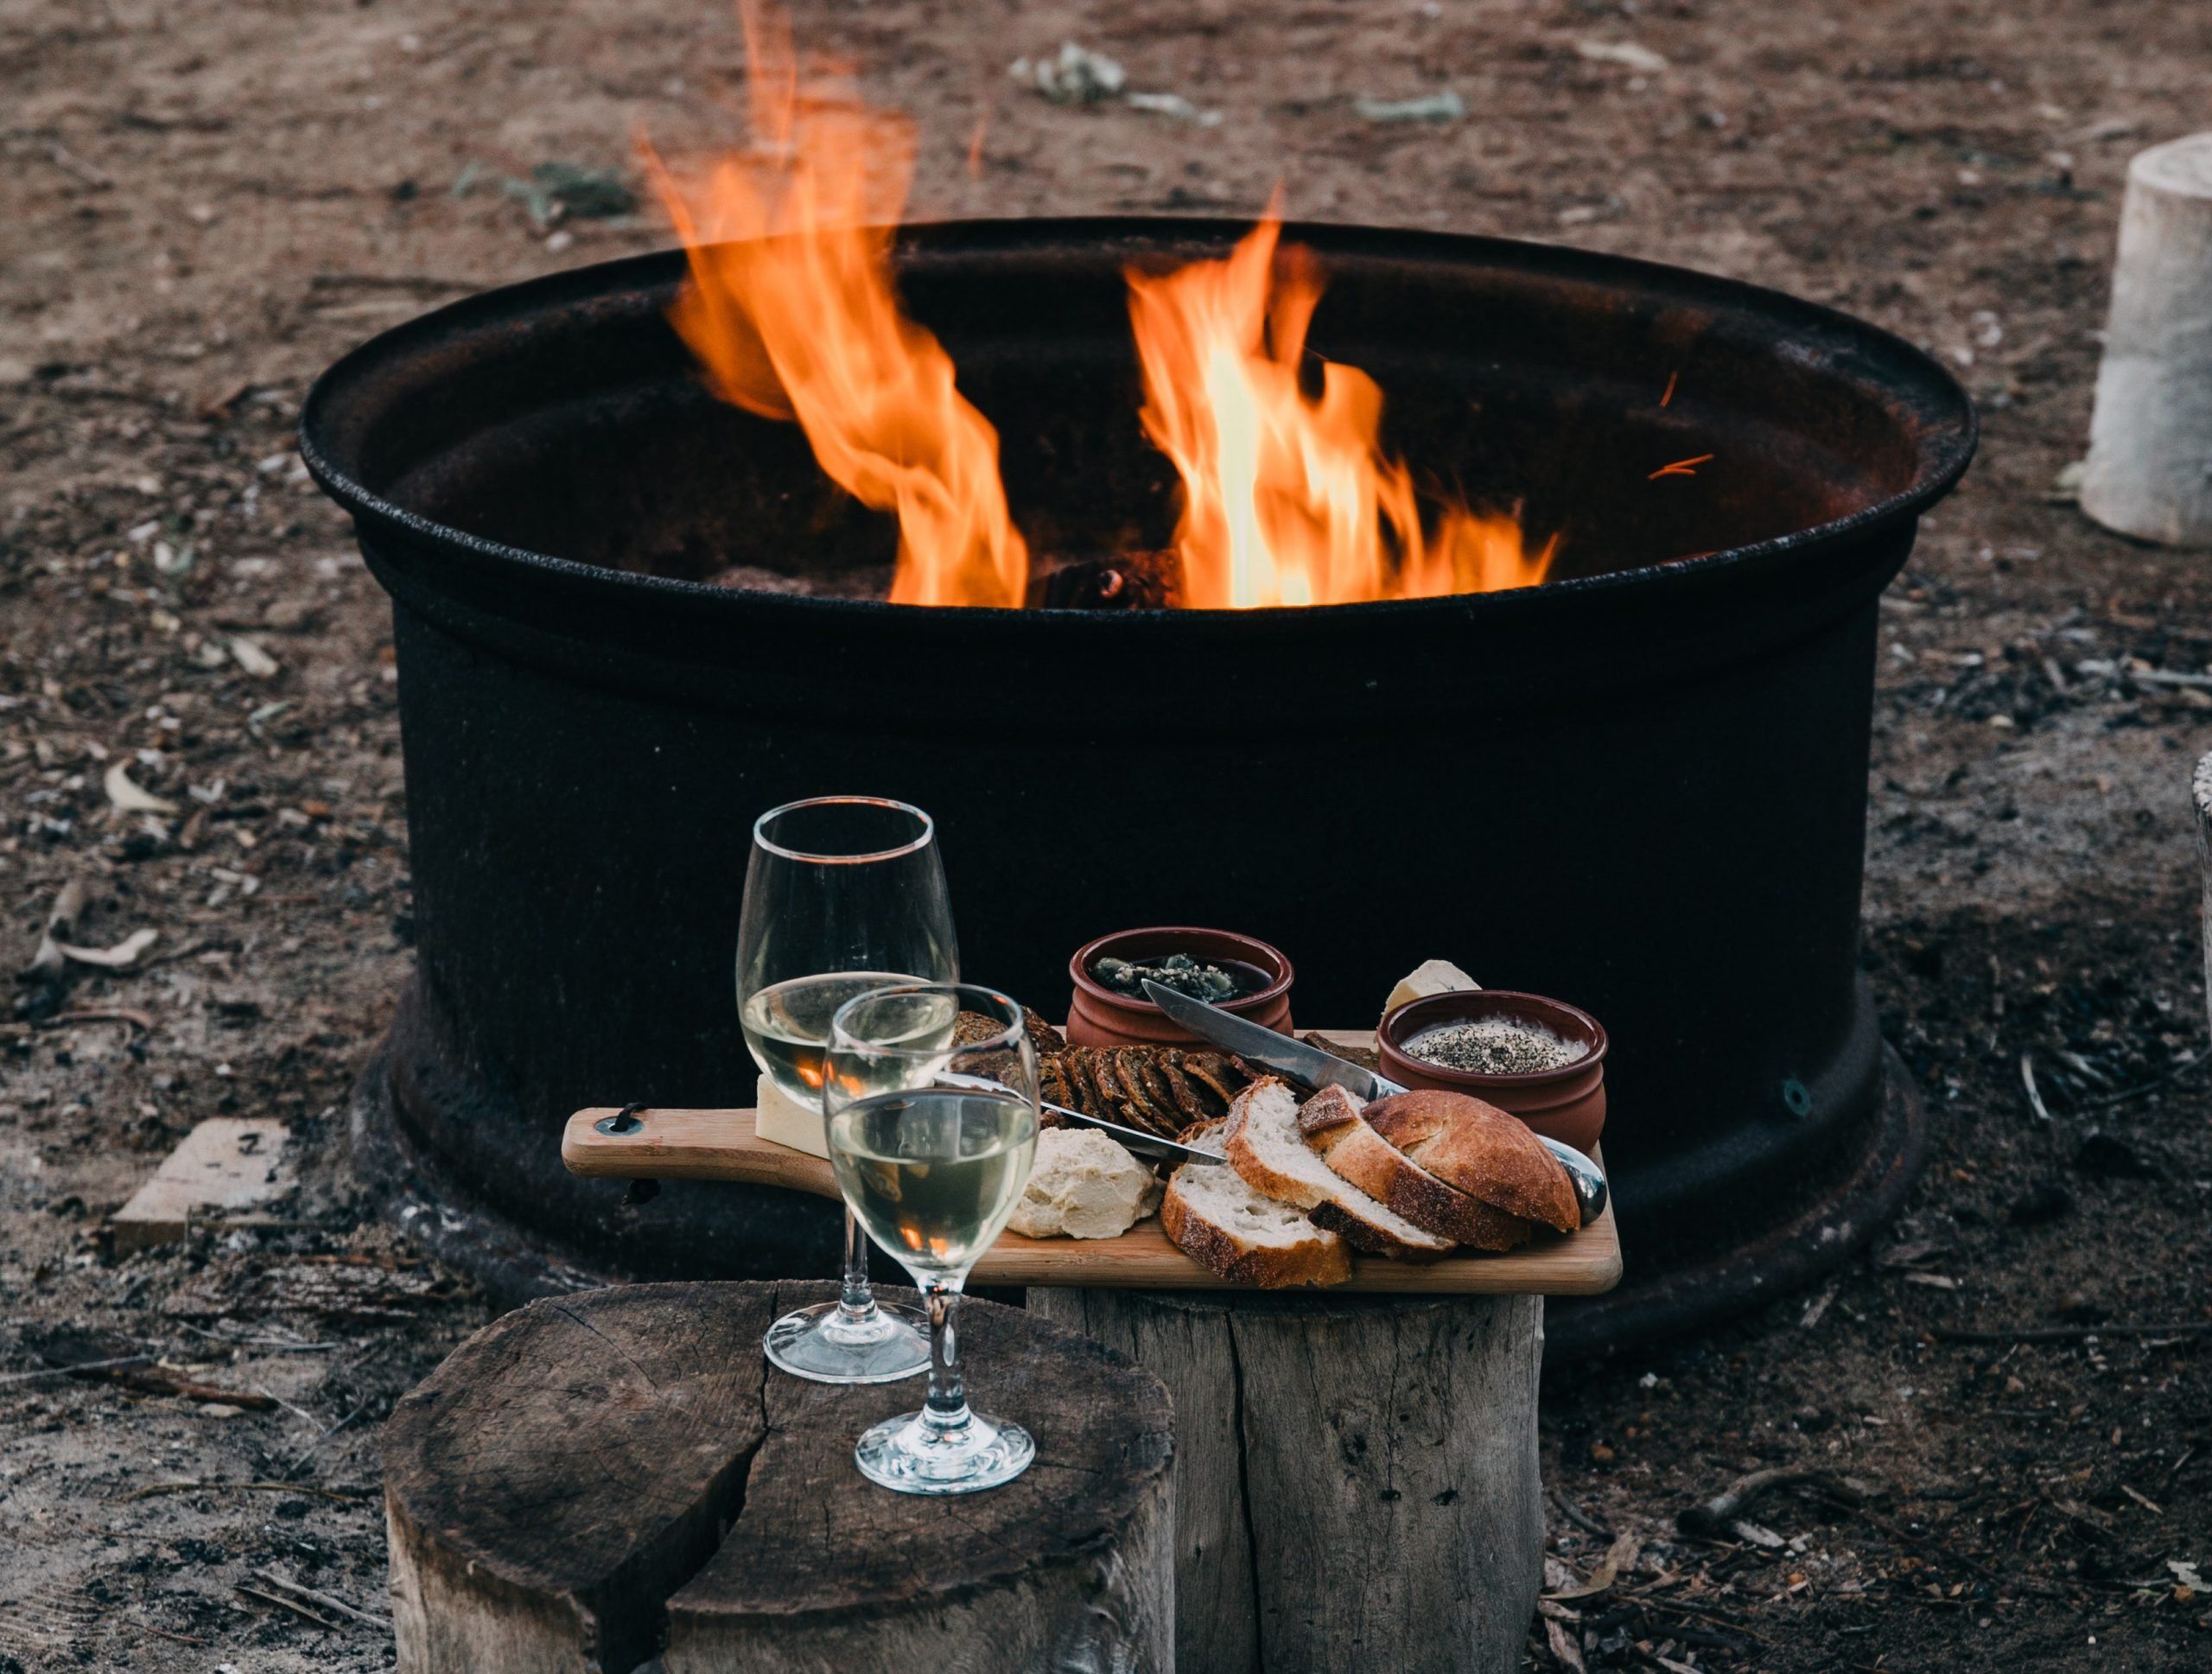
1129,1139
1311,1067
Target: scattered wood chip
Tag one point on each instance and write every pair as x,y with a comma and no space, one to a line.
121,957
251,658
128,797
61,918
1626,53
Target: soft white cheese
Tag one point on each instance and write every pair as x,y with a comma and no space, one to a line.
1431,977
1083,1186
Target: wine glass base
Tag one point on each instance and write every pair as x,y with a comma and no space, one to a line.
908,1456
822,1344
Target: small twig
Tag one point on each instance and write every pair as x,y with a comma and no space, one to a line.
275,1345
101,1014
300,1413
1579,1518
2136,1091
2071,1333
283,1603
1716,1518
344,1495
2027,1080
92,174
181,1639
321,1601
309,1452
2175,1469
70,1371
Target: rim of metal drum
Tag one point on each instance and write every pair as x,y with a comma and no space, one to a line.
1946,448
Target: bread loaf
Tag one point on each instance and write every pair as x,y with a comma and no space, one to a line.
1266,1147
1333,1126
1488,1155
1213,1217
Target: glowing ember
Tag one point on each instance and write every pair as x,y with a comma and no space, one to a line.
1288,498
799,318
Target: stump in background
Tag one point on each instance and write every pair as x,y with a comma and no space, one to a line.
1356,1482
2149,466
600,1475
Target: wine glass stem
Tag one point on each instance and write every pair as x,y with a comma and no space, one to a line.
858,1302
947,1405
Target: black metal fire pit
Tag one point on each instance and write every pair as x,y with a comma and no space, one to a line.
1640,788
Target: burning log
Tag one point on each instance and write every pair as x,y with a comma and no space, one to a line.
1126,580
2152,430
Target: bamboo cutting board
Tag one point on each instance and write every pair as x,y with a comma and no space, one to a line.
675,1144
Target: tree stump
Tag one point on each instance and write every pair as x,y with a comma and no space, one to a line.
2149,467
606,1476
1356,1482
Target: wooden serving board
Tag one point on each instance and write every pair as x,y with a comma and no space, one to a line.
678,1144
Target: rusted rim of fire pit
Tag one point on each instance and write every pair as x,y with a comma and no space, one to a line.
1927,401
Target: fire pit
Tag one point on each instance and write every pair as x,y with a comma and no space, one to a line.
1640,787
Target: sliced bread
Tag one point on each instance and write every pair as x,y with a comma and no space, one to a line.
1480,1149
1265,1147
1332,1122
1230,1229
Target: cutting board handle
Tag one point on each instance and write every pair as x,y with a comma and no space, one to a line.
640,1143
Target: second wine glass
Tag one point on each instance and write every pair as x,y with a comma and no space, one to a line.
932,1093
842,894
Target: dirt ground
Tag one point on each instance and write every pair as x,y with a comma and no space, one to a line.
201,204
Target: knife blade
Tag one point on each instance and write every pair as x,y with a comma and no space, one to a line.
1141,1144
1256,1043
1313,1068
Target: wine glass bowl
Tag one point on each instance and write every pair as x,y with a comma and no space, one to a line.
931,1091
842,894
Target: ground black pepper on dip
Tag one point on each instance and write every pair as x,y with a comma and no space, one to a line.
1177,970
1494,1046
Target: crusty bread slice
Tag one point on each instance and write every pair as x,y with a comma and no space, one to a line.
1480,1149
1228,1229
1333,1124
1266,1147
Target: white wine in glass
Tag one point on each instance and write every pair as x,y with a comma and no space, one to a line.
934,1175
842,894
787,1026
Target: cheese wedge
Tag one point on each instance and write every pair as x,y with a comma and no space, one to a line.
1433,976
782,1121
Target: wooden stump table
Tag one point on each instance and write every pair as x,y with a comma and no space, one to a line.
1356,1482
604,1478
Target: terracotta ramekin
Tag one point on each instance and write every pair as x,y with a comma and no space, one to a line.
1099,1017
1567,1103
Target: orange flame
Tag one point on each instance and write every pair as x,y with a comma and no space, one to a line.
1288,498
799,319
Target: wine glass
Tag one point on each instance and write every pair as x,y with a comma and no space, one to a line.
932,1093
843,894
